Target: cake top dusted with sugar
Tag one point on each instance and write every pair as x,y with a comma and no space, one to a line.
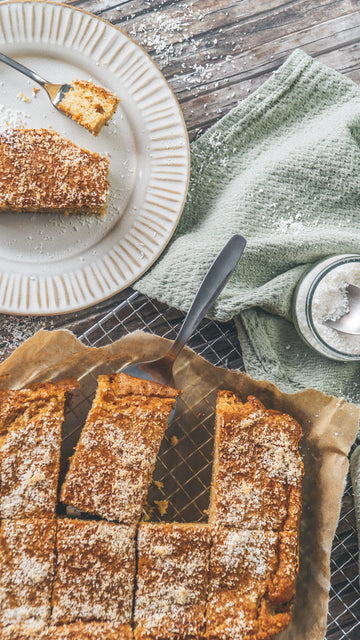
264,426
42,171
27,556
30,440
246,598
111,469
230,579
94,573
257,472
173,562
90,105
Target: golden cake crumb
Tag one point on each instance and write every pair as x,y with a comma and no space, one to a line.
90,631
30,630
23,97
42,171
33,630
90,105
162,506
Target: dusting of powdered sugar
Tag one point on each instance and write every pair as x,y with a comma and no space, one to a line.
95,572
172,579
331,302
12,119
329,280
27,553
165,36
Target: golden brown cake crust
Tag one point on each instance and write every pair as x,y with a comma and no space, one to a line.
120,384
95,572
234,579
90,105
30,440
257,469
171,581
111,469
27,556
42,171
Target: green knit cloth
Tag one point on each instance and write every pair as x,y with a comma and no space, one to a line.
282,169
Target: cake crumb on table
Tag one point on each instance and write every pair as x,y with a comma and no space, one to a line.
162,506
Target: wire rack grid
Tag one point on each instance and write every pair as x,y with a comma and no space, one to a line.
183,472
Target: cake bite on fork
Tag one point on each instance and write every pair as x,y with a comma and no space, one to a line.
82,100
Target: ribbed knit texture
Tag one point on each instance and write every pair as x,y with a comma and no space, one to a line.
282,169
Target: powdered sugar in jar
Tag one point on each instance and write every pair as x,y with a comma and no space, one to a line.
322,295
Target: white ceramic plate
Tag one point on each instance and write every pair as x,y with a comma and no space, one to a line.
52,264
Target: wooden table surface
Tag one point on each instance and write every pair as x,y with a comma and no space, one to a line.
214,53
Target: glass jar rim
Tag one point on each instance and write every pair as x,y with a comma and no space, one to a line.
342,259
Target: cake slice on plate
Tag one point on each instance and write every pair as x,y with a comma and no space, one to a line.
41,171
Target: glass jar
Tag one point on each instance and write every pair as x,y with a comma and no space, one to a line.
320,293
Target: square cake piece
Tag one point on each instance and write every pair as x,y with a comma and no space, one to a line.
256,503
114,460
27,558
251,584
90,105
257,469
172,580
42,171
95,572
30,440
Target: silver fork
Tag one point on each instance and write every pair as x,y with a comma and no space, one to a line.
161,369
56,92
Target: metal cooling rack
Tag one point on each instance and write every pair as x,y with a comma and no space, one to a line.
191,460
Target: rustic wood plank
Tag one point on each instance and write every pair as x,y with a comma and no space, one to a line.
214,53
